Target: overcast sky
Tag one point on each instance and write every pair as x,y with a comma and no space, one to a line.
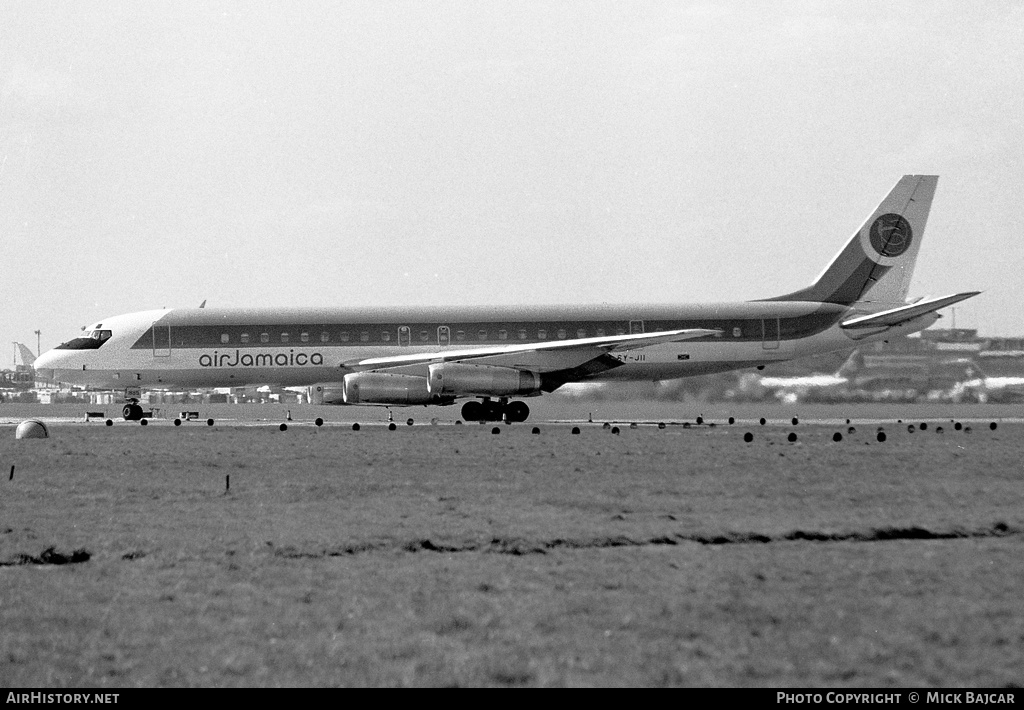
375,153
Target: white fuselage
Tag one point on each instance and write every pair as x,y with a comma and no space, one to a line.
205,348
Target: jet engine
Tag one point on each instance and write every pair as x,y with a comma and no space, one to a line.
456,378
326,393
388,388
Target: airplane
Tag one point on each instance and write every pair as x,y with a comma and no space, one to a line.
903,376
491,355
24,354
23,376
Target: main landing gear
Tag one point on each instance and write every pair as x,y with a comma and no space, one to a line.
132,411
488,410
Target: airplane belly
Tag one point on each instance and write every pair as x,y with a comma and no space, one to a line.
688,359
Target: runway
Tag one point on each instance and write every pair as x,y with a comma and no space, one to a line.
561,411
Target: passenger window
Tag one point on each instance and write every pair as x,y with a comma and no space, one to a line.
264,337
325,337
244,337
481,335
561,333
343,336
304,337
385,336
502,335
542,334
600,332
522,333
737,332
424,336
364,336
460,335
224,338
581,333
284,337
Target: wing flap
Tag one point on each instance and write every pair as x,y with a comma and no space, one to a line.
600,345
901,314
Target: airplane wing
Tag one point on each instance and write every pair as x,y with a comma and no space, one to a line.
595,346
901,314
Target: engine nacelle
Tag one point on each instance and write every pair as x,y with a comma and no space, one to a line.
326,393
457,378
387,388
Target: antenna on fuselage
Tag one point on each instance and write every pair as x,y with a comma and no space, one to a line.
203,304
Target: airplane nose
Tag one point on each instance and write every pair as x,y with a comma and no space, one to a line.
50,364
46,360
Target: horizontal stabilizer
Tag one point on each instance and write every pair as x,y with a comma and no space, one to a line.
895,316
603,344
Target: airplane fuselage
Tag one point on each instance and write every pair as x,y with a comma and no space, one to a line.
182,348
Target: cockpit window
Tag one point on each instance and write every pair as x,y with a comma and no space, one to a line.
90,340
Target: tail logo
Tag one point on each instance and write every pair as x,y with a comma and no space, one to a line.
890,235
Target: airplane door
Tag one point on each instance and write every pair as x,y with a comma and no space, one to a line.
161,340
444,336
404,336
636,326
770,333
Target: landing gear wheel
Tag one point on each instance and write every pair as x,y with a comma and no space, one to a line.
493,411
473,411
517,411
132,412
489,410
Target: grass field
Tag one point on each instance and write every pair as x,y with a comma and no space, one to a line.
447,555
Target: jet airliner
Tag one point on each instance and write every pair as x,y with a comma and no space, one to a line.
496,356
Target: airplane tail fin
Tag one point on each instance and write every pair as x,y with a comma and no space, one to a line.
24,355
878,261
853,365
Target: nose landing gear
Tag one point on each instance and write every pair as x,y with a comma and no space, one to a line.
487,410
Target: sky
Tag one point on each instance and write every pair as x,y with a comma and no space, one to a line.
387,153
